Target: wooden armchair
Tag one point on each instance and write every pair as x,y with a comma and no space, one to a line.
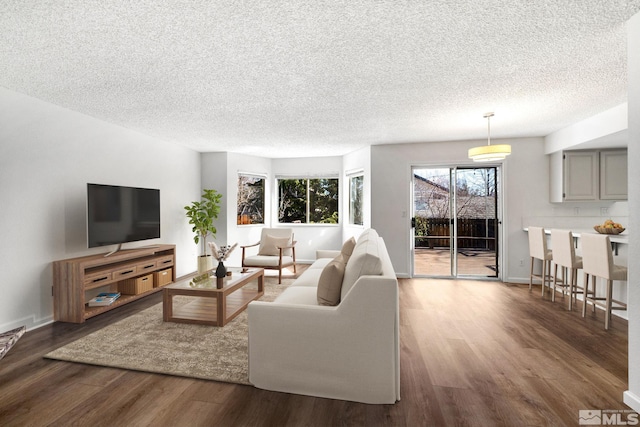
277,251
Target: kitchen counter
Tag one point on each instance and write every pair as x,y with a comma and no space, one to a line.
622,238
616,239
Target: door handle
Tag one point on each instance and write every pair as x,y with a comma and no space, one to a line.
413,222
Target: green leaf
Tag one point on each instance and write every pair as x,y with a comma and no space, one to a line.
201,215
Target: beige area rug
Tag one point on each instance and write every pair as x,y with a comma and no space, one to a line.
143,342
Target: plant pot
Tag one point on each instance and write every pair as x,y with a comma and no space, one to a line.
205,263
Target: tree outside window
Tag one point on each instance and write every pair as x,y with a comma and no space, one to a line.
356,194
250,199
308,201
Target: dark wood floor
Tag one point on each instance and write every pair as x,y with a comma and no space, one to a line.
474,353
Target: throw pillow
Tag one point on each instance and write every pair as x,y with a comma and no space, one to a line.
269,245
330,282
364,261
347,248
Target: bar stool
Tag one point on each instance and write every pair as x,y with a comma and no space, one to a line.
538,250
597,260
564,256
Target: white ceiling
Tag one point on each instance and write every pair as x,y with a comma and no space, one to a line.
289,78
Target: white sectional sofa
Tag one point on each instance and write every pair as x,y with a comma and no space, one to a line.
350,351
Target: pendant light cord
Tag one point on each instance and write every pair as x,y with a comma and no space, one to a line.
488,117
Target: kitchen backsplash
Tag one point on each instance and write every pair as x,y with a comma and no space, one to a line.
577,216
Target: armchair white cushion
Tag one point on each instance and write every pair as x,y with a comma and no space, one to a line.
270,245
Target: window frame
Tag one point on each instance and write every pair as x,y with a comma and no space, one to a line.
307,178
264,199
352,177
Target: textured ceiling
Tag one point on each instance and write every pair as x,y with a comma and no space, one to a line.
294,78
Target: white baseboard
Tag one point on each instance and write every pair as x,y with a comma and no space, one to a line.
632,400
30,322
517,280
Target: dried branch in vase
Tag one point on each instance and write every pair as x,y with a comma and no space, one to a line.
221,253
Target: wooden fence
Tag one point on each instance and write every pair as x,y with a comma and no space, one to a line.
473,233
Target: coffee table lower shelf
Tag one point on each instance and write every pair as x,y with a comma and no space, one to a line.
204,310
212,306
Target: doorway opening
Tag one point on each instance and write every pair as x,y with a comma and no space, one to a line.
455,222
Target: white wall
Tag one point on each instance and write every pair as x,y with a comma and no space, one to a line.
214,176
632,396
220,171
229,231
606,129
309,237
525,196
525,190
47,156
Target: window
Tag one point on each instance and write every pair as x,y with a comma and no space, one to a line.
356,194
250,199
308,201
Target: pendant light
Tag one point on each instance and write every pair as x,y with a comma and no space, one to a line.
489,153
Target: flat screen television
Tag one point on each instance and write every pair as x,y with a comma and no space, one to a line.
117,214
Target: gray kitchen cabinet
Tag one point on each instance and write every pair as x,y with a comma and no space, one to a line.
588,175
613,175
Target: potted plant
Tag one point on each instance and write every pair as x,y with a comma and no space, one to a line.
201,215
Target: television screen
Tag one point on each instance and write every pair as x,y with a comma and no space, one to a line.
117,215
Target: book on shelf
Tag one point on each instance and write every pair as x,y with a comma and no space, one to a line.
104,298
115,295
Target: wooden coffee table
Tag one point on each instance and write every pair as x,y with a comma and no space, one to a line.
212,305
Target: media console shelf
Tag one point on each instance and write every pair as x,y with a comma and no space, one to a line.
74,278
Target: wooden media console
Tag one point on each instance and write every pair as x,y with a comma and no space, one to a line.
76,279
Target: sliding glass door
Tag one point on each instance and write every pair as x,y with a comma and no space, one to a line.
455,222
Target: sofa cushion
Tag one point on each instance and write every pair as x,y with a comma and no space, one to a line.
367,234
267,261
309,277
269,245
330,281
321,262
303,295
327,253
364,260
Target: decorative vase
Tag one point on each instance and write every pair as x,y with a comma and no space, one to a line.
205,263
221,271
